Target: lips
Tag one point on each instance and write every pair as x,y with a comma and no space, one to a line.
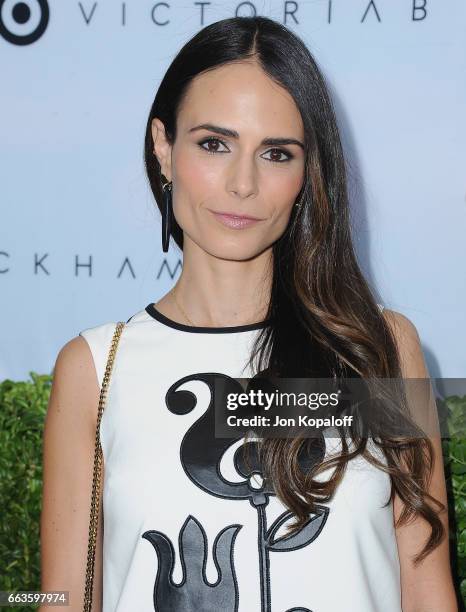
235,221
235,216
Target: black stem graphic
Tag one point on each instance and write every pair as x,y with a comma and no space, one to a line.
260,501
264,560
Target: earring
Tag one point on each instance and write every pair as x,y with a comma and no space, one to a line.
167,212
298,204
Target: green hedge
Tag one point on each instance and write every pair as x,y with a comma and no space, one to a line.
23,407
453,410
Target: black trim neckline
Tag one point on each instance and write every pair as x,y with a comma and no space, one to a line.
156,314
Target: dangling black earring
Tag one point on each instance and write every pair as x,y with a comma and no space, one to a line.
167,212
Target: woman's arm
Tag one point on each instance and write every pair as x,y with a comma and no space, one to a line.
429,586
68,459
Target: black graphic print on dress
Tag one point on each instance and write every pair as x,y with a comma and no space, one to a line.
200,455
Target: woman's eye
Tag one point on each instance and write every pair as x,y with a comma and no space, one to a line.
277,152
210,141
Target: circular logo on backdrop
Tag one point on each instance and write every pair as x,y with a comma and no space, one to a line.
22,23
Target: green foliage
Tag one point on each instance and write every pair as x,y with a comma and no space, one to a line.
23,406
454,451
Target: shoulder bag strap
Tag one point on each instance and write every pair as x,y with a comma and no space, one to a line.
96,480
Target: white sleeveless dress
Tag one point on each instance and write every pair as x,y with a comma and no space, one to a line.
186,527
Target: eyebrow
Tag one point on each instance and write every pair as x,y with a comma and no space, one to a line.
234,134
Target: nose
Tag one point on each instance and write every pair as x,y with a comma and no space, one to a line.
242,180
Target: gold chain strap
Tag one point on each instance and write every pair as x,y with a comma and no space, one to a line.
96,480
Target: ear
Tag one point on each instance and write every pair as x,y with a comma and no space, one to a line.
162,148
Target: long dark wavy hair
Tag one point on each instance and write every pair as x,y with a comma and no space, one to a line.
324,318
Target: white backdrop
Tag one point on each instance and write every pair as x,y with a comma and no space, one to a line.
80,234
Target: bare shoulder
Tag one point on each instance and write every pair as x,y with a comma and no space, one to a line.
400,324
68,452
75,352
408,343
74,376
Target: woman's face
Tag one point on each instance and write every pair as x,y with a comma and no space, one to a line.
234,173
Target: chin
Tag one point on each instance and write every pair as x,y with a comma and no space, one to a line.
234,250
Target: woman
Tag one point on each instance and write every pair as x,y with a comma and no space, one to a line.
242,126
